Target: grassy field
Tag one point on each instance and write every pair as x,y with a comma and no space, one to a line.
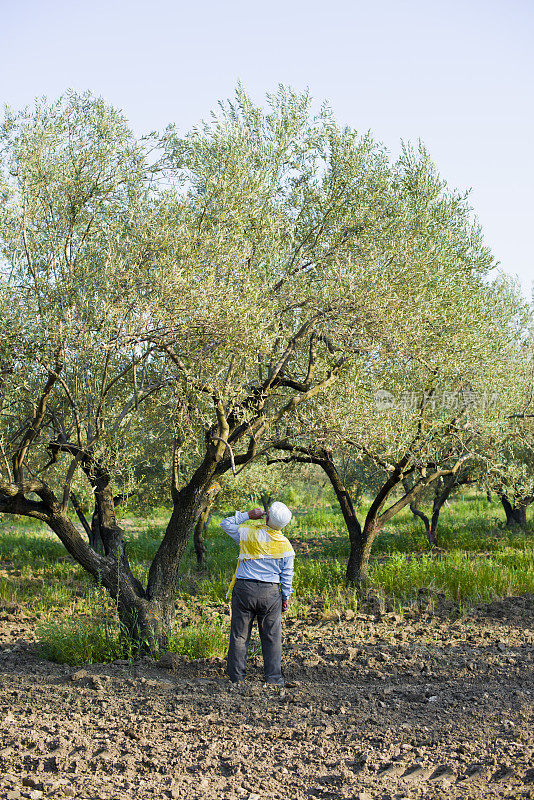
478,560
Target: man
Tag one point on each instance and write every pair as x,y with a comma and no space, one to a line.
261,587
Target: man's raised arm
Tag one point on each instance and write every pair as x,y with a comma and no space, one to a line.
230,525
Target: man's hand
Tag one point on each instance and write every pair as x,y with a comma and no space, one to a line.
256,513
285,603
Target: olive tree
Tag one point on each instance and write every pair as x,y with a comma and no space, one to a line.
195,301
440,380
510,465
76,210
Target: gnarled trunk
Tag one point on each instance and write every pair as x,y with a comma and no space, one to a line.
361,544
143,621
95,540
516,514
147,623
377,517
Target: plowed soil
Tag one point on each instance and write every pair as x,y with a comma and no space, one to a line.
429,705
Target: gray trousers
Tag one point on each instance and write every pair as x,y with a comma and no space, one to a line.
252,599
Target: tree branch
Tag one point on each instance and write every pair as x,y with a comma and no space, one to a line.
68,480
79,513
71,400
296,401
35,426
418,487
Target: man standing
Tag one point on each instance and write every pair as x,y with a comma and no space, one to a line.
261,587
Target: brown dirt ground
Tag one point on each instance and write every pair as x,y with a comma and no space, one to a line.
433,705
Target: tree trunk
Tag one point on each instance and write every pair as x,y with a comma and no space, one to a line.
201,526
516,515
95,540
520,515
81,516
147,616
145,622
360,540
441,495
358,566
95,536
416,511
360,550
112,570
198,538
377,517
424,519
188,504
163,574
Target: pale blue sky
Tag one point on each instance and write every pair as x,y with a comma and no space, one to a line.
459,75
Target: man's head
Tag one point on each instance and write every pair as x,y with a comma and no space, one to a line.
278,516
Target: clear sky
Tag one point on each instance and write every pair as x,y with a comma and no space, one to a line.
457,74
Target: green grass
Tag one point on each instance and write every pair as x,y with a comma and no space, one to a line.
80,640
322,519
207,640
14,547
459,575
85,640
478,560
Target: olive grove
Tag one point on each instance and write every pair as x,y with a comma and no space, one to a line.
191,302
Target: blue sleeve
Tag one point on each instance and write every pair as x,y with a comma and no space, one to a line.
230,525
286,576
